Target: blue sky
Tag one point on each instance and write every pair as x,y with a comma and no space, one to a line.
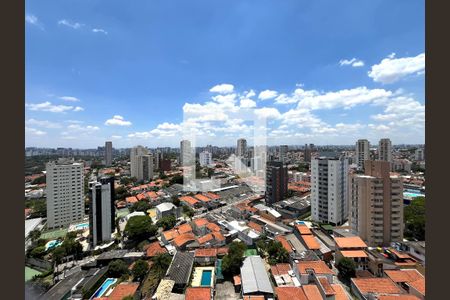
131,72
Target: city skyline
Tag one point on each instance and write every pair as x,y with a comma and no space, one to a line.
77,96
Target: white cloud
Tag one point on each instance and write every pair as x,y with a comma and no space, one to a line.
354,62
42,123
117,120
268,113
69,99
74,25
247,103
116,137
267,94
392,69
99,30
403,112
223,88
34,131
49,107
141,135
77,127
33,20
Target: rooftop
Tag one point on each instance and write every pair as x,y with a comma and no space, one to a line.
354,253
290,293
350,242
154,249
181,267
412,277
254,276
312,292
311,242
376,285
319,267
209,252
198,293
122,290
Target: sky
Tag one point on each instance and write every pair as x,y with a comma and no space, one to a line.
150,72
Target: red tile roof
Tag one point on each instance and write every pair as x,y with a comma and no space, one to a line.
152,195
280,269
340,293
183,239
329,291
354,253
198,293
376,285
319,267
201,222
303,229
218,236
154,249
206,238
411,277
255,226
222,251
189,200
311,242
202,198
208,252
141,197
284,243
184,228
122,290
312,292
398,297
213,196
350,242
170,234
131,199
290,293
213,227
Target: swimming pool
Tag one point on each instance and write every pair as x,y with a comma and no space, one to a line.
104,287
410,195
52,244
206,278
82,226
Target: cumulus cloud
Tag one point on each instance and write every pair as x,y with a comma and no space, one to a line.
354,62
247,103
116,137
392,69
268,113
267,94
99,30
42,123
223,88
34,131
69,99
77,127
73,25
117,121
49,107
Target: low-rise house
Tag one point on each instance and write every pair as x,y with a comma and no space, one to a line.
123,290
154,249
283,275
181,241
410,280
255,280
190,201
205,256
131,200
307,270
166,209
362,288
180,270
198,293
354,248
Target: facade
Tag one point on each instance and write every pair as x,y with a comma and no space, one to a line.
329,181
376,205
108,153
362,152
101,214
134,153
241,147
283,153
157,158
166,209
385,150
307,153
419,154
185,152
276,182
205,158
65,193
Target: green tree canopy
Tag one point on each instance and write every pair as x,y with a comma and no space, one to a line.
167,222
347,268
232,262
38,252
140,206
139,228
161,263
35,235
277,253
414,218
139,270
117,268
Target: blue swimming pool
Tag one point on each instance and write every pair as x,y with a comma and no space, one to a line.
206,278
82,226
412,195
104,287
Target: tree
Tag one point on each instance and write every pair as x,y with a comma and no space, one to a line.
139,228
347,268
167,222
140,206
121,193
176,201
35,235
38,252
188,211
117,268
232,262
58,253
176,179
139,269
128,298
414,215
277,253
39,180
161,263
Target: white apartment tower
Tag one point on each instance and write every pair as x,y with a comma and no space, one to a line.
108,153
362,152
65,193
385,150
420,154
329,183
186,154
141,163
205,158
376,205
241,147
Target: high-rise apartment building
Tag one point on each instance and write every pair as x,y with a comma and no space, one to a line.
108,153
101,213
141,163
65,193
241,147
362,152
419,154
376,204
385,150
276,182
157,158
282,153
186,153
307,153
205,158
329,180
